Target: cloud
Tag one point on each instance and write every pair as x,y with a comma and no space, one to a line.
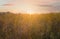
7,4
44,5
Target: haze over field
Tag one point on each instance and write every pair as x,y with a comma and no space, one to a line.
30,6
29,19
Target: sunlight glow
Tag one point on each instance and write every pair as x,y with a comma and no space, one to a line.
28,9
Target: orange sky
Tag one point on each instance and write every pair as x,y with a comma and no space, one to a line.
32,6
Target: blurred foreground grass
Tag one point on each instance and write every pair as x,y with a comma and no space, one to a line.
25,26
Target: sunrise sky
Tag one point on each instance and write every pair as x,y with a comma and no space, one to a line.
32,6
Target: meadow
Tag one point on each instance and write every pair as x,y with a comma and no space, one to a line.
26,26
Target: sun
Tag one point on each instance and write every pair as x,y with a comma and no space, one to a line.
27,9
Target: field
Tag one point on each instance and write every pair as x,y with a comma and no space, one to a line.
26,26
